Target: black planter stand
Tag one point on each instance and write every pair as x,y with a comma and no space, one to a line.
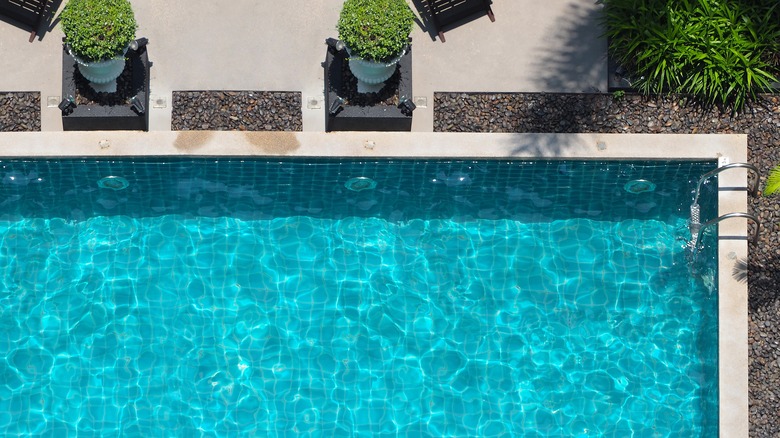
341,116
619,78
93,117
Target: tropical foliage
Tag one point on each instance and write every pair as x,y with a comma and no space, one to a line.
721,51
376,30
773,182
97,30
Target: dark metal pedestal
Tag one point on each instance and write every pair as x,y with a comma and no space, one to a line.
346,117
94,117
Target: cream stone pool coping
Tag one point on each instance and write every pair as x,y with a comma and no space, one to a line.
733,327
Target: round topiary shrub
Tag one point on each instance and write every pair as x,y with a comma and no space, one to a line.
376,30
722,52
97,30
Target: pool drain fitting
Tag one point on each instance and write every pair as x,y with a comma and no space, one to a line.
639,186
360,183
113,183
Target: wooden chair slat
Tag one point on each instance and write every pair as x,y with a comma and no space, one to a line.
446,13
27,12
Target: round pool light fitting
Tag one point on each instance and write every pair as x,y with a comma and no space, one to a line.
360,183
639,186
113,183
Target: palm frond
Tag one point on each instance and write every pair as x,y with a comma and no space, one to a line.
772,182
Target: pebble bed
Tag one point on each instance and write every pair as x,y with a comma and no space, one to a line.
608,113
20,111
236,111
86,95
388,95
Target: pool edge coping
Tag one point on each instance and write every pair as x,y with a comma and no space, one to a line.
732,197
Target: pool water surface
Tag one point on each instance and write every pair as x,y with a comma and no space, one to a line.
340,298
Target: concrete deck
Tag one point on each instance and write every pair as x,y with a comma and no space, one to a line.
279,45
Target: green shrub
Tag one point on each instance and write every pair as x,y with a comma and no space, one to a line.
721,51
376,30
96,30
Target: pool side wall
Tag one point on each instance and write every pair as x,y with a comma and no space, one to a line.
733,326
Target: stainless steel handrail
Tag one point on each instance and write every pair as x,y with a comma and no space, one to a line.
753,188
754,237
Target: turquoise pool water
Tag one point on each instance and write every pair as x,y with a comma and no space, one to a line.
286,298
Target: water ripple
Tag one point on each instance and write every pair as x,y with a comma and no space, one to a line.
323,327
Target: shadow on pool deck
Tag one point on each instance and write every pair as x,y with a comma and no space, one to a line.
568,64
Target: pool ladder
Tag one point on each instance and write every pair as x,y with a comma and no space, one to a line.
697,228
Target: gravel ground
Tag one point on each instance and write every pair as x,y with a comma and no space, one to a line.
86,95
533,112
388,95
20,111
236,111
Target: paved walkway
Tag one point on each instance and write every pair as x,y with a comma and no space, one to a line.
278,46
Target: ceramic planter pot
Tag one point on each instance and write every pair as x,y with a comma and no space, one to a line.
101,75
371,75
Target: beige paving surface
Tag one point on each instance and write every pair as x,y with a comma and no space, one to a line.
279,45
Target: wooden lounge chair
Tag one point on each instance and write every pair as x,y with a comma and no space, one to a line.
26,12
445,13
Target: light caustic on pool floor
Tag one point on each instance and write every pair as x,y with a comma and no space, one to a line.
358,327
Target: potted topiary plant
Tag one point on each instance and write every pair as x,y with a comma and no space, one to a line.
97,35
375,34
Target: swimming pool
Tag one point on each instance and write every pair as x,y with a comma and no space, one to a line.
354,298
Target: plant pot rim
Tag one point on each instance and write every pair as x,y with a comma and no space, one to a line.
392,61
82,61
